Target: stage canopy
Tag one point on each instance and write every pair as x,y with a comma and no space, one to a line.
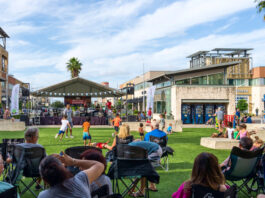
77,87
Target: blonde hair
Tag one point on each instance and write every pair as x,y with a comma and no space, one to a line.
124,131
258,140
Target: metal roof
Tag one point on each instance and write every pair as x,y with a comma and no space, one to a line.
78,87
197,53
183,71
3,33
232,49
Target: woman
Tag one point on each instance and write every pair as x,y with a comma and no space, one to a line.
205,172
62,182
124,133
93,154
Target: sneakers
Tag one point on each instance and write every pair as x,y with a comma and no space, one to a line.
71,136
56,136
66,136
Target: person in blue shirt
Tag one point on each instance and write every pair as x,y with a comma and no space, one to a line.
169,129
238,116
156,133
249,120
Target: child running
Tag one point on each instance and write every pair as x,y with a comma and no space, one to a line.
141,131
116,123
86,134
64,126
169,129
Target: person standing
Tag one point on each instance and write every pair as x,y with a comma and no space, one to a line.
116,123
68,112
7,114
238,116
108,104
220,117
149,113
257,111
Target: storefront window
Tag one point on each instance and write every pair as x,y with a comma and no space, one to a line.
163,84
183,82
142,85
216,79
162,100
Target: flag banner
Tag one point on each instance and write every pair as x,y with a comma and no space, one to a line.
15,100
150,98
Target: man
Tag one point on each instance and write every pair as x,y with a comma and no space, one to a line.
220,117
156,133
68,111
238,116
108,104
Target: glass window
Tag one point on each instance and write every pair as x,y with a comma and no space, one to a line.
216,79
3,63
183,82
163,84
199,80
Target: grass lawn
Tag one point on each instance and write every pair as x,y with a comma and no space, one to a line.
186,146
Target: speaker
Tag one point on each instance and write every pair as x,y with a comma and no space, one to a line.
25,92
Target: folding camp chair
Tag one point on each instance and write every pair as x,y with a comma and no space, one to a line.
102,192
27,164
131,163
242,167
7,151
75,152
10,193
166,151
199,191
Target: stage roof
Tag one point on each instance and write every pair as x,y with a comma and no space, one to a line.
77,87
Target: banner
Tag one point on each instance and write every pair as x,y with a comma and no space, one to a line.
150,98
15,100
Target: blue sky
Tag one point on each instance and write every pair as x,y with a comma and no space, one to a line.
112,38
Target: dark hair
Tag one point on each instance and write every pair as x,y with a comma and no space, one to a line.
64,116
141,124
93,154
88,119
53,172
243,126
206,171
229,124
246,143
117,115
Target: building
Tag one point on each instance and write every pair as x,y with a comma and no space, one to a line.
216,78
137,88
103,100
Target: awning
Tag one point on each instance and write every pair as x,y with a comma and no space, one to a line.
205,101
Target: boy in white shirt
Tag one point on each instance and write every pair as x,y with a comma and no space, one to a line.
229,130
64,126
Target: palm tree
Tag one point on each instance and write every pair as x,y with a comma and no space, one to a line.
74,66
261,6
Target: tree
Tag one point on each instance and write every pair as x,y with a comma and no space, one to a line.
74,66
242,105
57,104
261,6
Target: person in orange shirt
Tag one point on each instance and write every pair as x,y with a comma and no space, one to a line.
86,134
116,122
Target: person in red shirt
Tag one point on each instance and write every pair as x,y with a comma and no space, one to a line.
116,123
149,113
108,104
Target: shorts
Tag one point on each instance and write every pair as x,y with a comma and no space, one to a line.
116,128
71,124
86,136
141,134
61,132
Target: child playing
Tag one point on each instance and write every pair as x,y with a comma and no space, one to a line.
64,126
149,113
141,131
162,122
116,123
100,145
236,132
242,131
229,130
169,129
86,134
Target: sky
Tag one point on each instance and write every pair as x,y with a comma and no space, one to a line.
114,38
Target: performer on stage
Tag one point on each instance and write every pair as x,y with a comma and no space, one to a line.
68,111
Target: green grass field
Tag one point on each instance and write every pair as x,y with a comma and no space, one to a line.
186,146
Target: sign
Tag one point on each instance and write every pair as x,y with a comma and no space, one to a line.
77,101
15,100
150,98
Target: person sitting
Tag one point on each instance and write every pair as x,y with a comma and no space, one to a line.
249,120
245,143
156,133
124,133
154,152
229,130
242,131
92,154
258,143
4,186
205,172
62,182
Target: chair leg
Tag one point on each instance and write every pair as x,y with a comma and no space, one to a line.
146,194
27,187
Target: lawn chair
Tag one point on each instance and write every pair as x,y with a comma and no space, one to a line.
27,164
102,192
199,191
10,193
75,152
242,167
166,151
131,162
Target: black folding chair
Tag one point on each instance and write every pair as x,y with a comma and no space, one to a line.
101,192
27,164
127,140
10,193
166,151
199,191
131,162
242,167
